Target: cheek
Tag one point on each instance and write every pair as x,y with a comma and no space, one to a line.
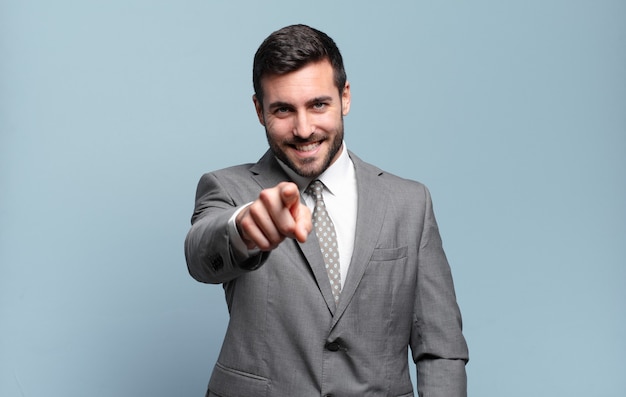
277,128
329,122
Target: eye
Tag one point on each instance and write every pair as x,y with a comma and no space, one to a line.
319,105
282,111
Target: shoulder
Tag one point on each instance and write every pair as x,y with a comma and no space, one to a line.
225,177
403,197
242,183
375,175
241,173
233,171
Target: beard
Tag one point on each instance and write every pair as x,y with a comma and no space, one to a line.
307,167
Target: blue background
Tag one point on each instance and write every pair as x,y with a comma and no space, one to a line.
513,113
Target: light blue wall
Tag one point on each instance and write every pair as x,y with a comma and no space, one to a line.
513,113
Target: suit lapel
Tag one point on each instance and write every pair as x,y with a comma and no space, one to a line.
311,250
267,172
370,214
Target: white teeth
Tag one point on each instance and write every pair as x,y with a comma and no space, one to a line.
307,148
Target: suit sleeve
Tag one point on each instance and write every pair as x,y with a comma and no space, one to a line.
208,248
437,343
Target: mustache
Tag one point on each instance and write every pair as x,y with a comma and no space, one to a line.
296,140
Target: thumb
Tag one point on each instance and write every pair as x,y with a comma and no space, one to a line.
304,225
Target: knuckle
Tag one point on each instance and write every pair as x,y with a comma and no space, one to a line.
245,223
256,212
266,196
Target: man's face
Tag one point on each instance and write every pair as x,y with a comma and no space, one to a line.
302,114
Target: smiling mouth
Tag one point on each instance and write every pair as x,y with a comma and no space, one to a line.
308,147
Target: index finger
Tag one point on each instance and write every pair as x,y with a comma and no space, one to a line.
290,195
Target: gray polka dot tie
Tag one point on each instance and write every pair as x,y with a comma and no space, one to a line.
325,231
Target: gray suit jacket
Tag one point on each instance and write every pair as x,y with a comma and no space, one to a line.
286,337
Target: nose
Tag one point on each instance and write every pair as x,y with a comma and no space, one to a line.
303,128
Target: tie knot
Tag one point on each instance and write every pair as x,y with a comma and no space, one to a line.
315,189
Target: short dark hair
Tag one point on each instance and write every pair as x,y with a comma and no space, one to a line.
291,48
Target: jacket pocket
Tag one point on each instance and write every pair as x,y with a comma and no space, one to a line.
388,254
228,382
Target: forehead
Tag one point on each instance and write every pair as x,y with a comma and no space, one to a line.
312,80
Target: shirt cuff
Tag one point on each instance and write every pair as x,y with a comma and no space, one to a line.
240,250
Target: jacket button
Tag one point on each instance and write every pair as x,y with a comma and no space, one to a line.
333,346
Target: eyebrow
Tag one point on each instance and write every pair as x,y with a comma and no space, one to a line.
280,104
325,98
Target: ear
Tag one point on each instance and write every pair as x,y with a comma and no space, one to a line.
345,99
259,109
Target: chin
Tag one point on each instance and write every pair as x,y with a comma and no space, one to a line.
307,170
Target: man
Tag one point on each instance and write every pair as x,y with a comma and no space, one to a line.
301,324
